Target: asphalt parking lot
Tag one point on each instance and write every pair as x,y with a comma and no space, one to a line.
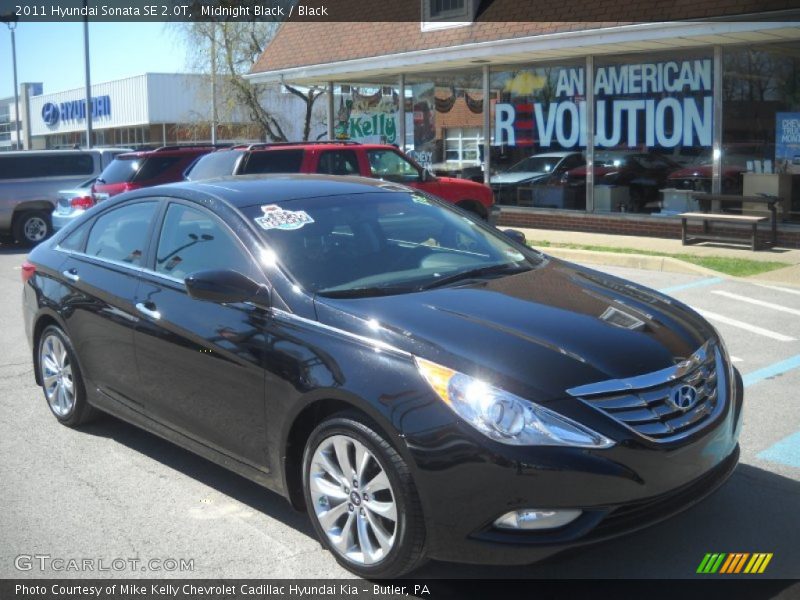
112,491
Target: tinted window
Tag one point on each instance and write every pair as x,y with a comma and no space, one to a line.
215,164
119,170
338,162
274,161
389,165
154,166
192,240
52,165
572,162
121,234
75,240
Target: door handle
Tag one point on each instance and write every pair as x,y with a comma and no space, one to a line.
71,274
150,312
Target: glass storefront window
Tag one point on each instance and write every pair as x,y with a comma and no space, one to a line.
539,120
446,114
653,124
761,125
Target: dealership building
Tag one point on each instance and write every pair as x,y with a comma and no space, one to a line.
589,126
149,109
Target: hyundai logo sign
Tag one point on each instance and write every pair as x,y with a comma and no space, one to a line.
75,110
50,114
683,397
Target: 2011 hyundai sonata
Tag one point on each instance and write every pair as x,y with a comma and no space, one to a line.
423,384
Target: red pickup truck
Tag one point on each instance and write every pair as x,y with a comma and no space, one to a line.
342,158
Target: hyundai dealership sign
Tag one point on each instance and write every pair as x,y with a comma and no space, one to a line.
75,110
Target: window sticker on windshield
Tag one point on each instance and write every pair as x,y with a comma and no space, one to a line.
513,254
277,218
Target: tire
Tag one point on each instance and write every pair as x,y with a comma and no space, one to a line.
31,227
62,382
344,516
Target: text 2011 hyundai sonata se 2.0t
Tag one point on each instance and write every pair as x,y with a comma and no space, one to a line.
421,383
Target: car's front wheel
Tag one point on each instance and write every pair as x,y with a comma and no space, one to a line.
362,499
61,379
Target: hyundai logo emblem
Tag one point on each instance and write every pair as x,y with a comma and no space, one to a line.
683,397
50,114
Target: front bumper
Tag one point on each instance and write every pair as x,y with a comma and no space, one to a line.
465,486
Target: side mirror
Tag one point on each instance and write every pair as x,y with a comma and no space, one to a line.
515,235
226,286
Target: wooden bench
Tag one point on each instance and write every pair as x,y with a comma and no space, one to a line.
708,218
717,200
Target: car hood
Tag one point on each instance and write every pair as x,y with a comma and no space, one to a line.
705,171
462,184
536,333
517,177
597,170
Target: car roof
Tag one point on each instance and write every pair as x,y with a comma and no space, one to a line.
169,151
554,154
318,145
242,191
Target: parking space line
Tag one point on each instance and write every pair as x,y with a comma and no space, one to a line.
735,359
746,326
778,368
785,451
693,284
778,307
777,288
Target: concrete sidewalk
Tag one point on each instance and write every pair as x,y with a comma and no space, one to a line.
789,275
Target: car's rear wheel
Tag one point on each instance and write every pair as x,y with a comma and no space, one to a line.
362,499
61,379
31,227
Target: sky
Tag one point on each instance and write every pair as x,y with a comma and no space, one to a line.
52,53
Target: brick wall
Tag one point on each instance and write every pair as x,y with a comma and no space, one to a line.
662,227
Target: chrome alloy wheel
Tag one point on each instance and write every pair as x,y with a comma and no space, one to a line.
353,500
56,369
35,229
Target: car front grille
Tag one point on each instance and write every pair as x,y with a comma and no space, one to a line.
667,405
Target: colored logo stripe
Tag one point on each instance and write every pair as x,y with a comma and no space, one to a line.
733,563
711,563
758,563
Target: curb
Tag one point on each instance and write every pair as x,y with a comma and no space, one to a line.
633,261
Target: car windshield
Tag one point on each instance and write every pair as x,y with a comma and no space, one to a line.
536,164
119,170
383,243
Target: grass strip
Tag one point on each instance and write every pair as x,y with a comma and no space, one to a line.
736,267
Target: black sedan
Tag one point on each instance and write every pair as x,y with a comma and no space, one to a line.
420,383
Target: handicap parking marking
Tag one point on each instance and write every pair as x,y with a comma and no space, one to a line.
712,316
785,451
773,370
770,305
693,284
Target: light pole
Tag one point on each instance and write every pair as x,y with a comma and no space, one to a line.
214,116
88,78
11,21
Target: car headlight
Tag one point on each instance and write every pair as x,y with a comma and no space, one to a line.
504,417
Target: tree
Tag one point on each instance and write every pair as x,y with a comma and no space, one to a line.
231,48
